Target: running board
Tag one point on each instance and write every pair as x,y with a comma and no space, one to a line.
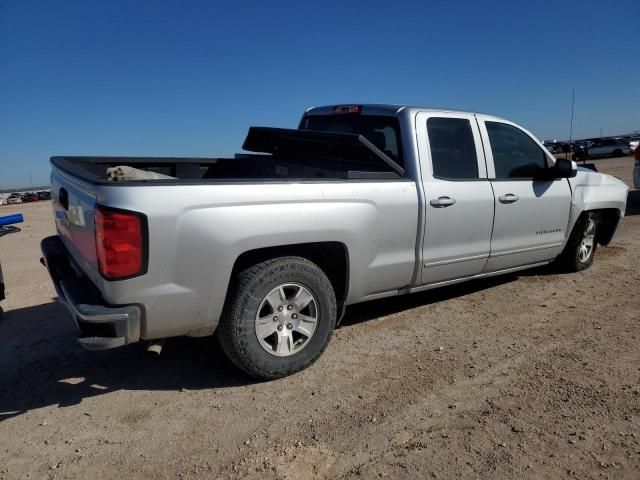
473,277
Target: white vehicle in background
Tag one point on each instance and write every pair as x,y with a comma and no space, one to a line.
13,199
633,143
608,147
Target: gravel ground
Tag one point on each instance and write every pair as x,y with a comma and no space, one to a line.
535,375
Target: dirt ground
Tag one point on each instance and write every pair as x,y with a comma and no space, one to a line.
535,375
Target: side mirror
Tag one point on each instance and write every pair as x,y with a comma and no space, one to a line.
565,168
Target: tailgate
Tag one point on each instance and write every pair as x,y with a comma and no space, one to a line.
74,207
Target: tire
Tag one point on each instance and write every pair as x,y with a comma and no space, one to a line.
574,258
252,312
617,153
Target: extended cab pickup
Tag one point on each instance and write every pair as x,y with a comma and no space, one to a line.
266,249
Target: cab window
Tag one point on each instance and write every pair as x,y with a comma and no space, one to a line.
515,154
382,131
453,151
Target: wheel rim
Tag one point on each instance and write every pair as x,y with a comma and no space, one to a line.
286,319
586,246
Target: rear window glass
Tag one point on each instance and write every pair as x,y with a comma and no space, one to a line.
382,131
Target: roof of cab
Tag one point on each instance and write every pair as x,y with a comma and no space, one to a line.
388,109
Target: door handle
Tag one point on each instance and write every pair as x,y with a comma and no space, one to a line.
442,202
509,198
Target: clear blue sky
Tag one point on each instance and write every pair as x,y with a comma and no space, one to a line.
186,78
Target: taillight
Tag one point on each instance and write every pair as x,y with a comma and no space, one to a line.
120,243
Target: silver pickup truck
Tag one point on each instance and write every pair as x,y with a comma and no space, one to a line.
266,249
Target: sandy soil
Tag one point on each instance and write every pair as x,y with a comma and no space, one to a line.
535,375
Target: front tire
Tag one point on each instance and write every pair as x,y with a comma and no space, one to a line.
279,317
581,246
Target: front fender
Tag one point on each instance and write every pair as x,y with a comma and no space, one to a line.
596,191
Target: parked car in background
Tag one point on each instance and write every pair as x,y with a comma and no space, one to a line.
558,147
633,143
29,197
14,198
607,147
581,144
44,195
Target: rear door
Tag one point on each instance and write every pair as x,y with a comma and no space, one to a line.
459,198
531,216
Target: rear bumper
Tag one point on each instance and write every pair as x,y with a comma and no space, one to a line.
101,326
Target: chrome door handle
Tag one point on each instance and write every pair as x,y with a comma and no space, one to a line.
508,198
442,202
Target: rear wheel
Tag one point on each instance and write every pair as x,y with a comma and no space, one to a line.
578,253
617,153
279,317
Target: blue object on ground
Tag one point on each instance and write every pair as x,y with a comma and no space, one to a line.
11,219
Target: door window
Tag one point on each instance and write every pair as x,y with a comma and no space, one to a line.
453,151
515,154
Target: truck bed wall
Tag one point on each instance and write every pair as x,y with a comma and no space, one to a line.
196,234
242,167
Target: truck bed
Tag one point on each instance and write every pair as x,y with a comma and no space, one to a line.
285,155
241,168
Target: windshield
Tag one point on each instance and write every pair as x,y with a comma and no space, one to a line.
382,131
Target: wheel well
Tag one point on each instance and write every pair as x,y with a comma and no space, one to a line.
607,219
331,257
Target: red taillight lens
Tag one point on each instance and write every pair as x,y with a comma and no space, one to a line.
119,243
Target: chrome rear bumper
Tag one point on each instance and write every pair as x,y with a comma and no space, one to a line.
101,326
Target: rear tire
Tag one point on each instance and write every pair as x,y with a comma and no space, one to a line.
617,153
581,246
279,317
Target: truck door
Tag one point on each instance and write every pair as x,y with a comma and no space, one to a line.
459,198
531,216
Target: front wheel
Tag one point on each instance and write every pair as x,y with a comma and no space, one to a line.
578,253
279,317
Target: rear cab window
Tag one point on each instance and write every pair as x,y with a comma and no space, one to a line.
382,131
